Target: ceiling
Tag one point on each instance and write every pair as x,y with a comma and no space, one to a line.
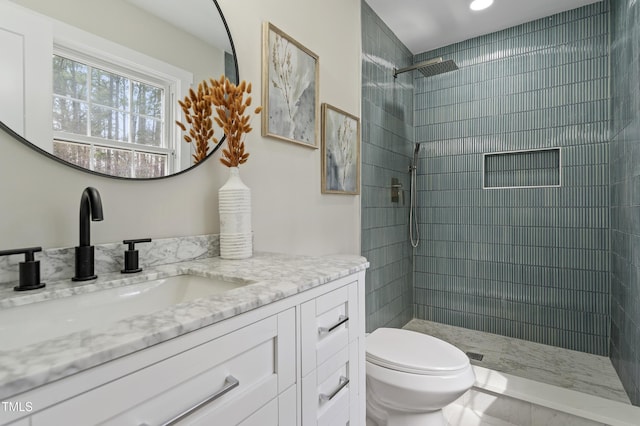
423,25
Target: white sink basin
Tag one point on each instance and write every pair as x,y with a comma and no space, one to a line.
35,322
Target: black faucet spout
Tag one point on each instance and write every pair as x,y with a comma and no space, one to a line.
90,209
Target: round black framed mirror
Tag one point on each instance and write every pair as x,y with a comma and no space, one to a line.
99,83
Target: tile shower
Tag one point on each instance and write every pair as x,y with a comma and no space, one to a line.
554,265
625,194
530,263
387,145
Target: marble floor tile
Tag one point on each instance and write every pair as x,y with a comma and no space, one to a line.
587,373
490,345
458,415
541,416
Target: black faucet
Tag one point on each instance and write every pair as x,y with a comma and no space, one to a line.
29,269
90,206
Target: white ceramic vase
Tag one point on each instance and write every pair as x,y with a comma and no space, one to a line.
234,205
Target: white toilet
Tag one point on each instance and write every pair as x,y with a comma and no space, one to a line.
411,377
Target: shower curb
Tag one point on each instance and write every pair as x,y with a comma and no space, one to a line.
555,398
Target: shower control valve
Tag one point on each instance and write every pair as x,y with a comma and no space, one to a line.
396,191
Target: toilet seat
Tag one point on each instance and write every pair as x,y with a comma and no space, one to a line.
416,353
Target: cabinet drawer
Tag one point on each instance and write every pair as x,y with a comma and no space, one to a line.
330,394
266,416
328,324
209,372
277,412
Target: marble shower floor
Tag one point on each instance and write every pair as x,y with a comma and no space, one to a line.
579,371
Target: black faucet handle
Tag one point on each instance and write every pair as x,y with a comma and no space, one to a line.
131,256
132,243
28,252
29,269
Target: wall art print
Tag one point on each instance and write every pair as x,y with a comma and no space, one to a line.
340,151
290,89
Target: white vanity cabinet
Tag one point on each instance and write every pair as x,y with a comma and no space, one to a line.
225,379
331,327
23,422
296,361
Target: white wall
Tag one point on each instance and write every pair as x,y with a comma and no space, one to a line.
39,198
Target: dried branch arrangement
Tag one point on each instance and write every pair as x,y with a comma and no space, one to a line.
197,112
230,105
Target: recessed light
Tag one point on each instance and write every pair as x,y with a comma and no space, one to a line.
480,4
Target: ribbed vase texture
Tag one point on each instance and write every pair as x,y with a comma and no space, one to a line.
234,205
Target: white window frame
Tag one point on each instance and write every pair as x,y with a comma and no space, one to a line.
82,46
169,144
26,102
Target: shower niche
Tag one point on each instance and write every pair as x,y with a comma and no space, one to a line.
522,169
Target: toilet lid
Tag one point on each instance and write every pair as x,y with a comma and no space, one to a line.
413,352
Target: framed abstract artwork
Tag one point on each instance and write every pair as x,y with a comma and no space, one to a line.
340,151
290,89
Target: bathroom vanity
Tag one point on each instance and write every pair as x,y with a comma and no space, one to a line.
285,347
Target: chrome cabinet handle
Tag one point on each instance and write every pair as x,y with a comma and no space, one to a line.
341,320
343,382
230,383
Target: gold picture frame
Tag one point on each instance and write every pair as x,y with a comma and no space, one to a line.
340,151
290,89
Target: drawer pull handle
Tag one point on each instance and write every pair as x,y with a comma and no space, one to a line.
343,382
326,330
230,383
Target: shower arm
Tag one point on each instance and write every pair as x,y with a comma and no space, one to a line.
434,61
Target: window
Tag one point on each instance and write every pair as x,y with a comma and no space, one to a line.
110,119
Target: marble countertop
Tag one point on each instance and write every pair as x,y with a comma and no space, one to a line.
274,277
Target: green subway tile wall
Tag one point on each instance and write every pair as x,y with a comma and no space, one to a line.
531,263
625,194
387,144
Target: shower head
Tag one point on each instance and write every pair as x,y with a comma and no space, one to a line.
416,149
439,68
429,68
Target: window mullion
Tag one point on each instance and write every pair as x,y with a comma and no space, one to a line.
133,162
92,160
89,101
130,111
